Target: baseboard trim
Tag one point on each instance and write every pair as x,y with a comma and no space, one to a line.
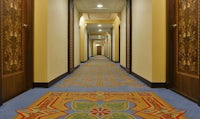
47,85
199,101
115,61
1,100
74,69
84,61
77,67
150,84
1,103
124,69
188,97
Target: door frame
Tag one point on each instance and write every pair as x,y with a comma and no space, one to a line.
129,36
88,45
99,47
111,34
170,44
70,36
30,43
170,35
1,96
29,66
119,42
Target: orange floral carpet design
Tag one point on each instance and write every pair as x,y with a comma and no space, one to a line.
100,105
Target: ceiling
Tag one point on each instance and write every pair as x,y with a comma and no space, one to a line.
98,37
99,16
109,6
93,28
109,11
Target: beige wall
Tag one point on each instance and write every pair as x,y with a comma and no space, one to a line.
159,40
90,47
50,39
40,40
113,45
85,45
76,38
106,48
83,40
102,49
109,46
94,48
57,38
142,38
149,39
116,39
123,38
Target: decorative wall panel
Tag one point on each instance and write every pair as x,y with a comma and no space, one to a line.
12,39
187,43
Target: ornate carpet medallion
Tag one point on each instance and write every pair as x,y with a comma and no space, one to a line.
100,105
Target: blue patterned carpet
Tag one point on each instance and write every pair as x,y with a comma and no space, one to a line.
99,74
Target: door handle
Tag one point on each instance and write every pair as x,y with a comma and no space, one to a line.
25,25
174,25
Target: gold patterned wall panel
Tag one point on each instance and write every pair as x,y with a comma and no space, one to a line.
12,36
187,39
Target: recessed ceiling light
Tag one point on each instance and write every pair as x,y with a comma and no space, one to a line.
98,44
99,25
100,30
99,5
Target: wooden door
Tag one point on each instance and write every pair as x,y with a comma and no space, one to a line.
183,48
98,50
71,36
16,47
128,36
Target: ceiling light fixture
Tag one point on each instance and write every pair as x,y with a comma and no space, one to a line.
99,30
99,5
98,45
99,25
